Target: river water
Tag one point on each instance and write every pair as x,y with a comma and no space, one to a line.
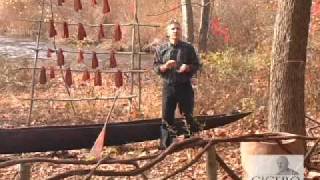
18,48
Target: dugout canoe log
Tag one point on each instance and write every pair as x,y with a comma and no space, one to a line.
54,138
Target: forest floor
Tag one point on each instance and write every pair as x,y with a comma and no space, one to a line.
218,90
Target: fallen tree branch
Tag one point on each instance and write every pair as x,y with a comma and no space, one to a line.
74,161
198,156
308,154
313,120
226,168
156,158
172,148
196,142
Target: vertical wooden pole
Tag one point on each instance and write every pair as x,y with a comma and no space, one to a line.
132,61
35,64
212,164
60,67
139,50
25,169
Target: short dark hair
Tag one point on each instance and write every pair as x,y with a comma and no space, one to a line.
173,21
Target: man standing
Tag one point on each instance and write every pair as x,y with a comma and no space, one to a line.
176,62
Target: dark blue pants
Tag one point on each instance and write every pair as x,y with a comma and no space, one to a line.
177,94
173,95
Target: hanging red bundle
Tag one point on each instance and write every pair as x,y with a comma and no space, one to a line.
43,76
97,78
65,30
60,57
117,33
49,52
80,57
118,79
95,62
94,2
106,7
77,5
52,30
101,32
86,75
68,78
52,75
81,32
60,2
113,61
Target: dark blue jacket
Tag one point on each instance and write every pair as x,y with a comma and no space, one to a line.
183,53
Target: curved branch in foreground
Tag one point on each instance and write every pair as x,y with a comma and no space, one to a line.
172,148
226,168
196,142
198,156
12,162
191,142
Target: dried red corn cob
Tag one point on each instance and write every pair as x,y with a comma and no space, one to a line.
60,57
117,33
106,7
52,75
86,75
65,30
95,62
113,61
118,79
43,76
49,52
77,5
60,2
97,78
94,2
101,33
52,30
81,32
80,57
68,77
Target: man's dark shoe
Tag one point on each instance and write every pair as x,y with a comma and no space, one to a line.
167,134
194,127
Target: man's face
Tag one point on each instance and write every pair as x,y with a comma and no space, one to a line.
174,32
282,164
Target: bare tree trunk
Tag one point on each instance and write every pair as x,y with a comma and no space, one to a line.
187,20
286,105
204,26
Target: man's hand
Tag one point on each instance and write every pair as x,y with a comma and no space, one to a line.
184,68
168,65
